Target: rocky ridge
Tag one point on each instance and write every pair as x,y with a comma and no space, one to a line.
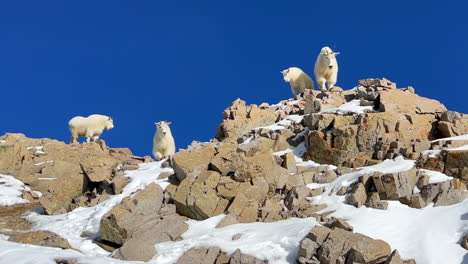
262,166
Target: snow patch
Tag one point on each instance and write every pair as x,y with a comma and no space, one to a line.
436,177
277,242
352,106
461,137
72,224
11,191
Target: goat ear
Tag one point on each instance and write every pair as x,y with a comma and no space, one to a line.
336,53
110,118
168,123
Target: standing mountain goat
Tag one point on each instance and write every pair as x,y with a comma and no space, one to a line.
326,68
298,79
89,127
163,142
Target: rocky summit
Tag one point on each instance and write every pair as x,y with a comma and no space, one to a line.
325,177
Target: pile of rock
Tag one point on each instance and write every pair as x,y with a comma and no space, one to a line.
213,255
403,124
64,176
409,187
139,222
248,184
450,162
335,244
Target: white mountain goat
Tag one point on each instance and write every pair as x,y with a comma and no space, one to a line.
163,142
298,79
89,127
326,68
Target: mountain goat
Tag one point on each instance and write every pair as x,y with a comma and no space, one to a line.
298,79
163,142
89,127
326,68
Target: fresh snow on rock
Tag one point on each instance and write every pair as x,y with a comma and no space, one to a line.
461,137
277,242
429,235
11,191
289,120
72,224
352,106
436,177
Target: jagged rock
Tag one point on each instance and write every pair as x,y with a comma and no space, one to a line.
450,197
227,220
297,198
40,238
337,245
199,199
394,258
456,164
119,223
60,162
200,256
373,201
393,186
289,162
338,223
261,165
119,183
239,258
358,195
189,163
140,245
240,119
258,145
400,101
416,201
464,242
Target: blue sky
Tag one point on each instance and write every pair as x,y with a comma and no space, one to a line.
186,61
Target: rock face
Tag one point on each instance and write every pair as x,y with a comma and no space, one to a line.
59,171
239,119
325,245
404,125
140,222
373,190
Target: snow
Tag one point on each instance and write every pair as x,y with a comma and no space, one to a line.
436,177
462,137
46,179
387,166
72,224
11,252
286,122
277,242
247,141
436,153
298,152
428,235
11,191
352,106
2,141
37,149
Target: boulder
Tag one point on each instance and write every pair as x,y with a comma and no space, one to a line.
239,258
40,238
238,119
59,171
189,163
325,245
140,245
119,223
200,256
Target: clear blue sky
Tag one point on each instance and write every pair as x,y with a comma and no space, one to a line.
186,61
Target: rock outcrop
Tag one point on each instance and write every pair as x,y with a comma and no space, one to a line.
59,171
325,245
